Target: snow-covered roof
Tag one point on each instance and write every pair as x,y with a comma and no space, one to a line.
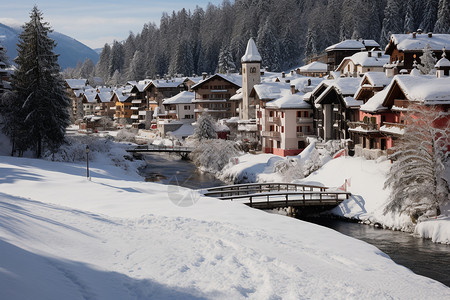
289,101
251,53
377,79
270,90
406,42
315,66
76,84
353,45
351,102
184,131
425,89
301,83
234,78
443,62
166,83
347,86
104,96
184,97
376,59
375,103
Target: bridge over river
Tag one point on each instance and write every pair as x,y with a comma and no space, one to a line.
280,195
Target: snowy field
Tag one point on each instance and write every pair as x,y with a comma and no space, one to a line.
117,237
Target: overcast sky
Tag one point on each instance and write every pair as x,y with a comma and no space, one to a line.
95,22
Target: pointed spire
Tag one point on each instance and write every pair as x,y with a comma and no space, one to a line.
251,54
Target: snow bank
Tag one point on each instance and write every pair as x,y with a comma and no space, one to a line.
116,237
438,230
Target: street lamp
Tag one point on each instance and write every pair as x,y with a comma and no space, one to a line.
87,161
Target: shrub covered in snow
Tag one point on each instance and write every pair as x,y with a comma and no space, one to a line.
126,135
212,155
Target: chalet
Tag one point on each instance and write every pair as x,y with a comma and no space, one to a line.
382,117
75,89
139,105
337,52
314,69
404,49
212,96
363,62
371,83
159,89
180,107
335,107
122,98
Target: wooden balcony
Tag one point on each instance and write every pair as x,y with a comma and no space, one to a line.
304,120
275,120
401,103
363,126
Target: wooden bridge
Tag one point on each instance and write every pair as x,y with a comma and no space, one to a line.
182,151
280,195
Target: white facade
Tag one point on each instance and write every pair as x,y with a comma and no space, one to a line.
251,75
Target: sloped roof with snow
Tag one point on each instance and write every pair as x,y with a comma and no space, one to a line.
235,79
375,103
161,83
184,97
251,53
406,42
428,90
363,59
76,84
289,101
377,79
315,66
443,62
353,45
346,85
270,90
105,96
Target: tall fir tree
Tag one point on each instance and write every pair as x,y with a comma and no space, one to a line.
443,17
269,47
393,20
226,63
43,106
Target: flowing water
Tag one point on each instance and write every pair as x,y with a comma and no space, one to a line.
421,256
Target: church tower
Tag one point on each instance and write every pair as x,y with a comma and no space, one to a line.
251,75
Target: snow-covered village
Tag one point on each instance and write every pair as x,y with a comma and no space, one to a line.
235,149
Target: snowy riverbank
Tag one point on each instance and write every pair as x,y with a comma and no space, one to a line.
117,237
366,180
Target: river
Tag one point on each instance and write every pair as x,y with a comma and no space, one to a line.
421,256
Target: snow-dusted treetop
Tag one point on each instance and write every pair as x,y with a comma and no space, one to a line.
353,45
315,66
406,42
184,97
251,53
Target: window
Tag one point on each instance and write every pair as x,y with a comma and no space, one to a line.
282,129
187,107
282,115
271,113
205,96
271,128
299,114
306,114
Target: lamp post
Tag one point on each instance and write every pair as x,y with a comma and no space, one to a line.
87,161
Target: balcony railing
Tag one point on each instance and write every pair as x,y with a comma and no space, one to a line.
304,120
276,120
401,103
398,125
273,134
302,134
363,126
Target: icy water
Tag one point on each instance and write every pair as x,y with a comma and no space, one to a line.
421,256
171,169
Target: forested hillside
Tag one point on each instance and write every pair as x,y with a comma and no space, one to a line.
286,31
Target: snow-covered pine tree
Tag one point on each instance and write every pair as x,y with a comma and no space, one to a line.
226,62
443,17
417,175
39,87
205,128
429,15
136,71
102,68
409,24
311,40
393,20
427,61
3,56
268,47
116,59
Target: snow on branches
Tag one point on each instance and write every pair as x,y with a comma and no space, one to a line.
417,175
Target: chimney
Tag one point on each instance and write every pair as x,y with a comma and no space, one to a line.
309,82
430,34
292,72
293,89
414,35
204,74
283,75
419,31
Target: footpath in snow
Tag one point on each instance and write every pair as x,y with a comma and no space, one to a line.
117,237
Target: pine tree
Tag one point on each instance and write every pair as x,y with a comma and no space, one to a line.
102,68
409,24
3,56
311,46
429,15
226,63
136,70
393,20
42,105
427,61
268,47
417,175
443,17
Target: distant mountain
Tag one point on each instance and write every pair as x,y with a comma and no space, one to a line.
70,50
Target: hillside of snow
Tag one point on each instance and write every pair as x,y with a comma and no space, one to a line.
117,237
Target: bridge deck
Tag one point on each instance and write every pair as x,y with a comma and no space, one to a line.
146,149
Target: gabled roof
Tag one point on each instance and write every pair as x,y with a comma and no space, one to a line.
315,66
375,104
184,97
289,101
76,84
377,79
427,90
363,59
270,90
234,79
344,86
104,97
353,45
406,42
251,53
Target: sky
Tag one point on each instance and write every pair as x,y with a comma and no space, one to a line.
95,23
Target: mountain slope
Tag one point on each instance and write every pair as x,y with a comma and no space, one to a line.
70,50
